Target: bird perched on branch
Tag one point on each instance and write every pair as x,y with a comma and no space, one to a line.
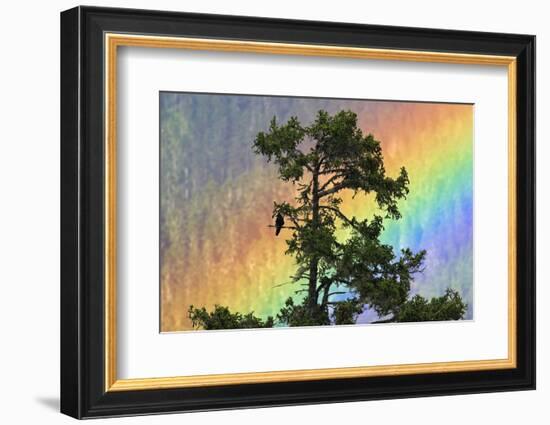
279,223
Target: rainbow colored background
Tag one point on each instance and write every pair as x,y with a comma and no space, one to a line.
217,198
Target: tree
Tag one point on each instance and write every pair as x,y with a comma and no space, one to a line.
447,307
342,277
222,318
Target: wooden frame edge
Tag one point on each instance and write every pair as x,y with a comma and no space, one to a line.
114,40
306,375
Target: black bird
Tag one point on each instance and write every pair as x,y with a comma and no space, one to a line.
279,223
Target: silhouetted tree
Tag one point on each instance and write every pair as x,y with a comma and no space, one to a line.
341,277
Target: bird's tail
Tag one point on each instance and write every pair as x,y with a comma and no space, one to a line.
277,231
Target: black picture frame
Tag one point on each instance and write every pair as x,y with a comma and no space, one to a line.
83,392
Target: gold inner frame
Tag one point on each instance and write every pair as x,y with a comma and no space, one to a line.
113,41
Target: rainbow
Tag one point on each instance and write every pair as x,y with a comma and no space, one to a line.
217,197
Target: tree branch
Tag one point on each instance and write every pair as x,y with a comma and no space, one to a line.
282,284
331,180
297,153
339,214
332,171
337,293
333,189
323,285
300,277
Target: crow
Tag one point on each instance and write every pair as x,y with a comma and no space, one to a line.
279,223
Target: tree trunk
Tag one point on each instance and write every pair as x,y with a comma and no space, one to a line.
312,290
314,264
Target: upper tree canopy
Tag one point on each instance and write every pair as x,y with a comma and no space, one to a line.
336,149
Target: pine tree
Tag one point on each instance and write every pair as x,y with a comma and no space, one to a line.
342,277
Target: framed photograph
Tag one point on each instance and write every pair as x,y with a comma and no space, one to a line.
261,212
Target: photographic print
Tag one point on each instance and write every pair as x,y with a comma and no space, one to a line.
289,211
257,184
